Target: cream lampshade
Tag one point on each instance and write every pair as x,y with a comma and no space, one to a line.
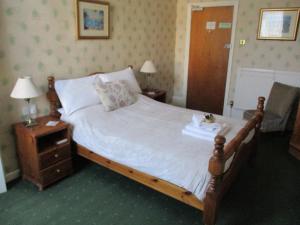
148,68
26,89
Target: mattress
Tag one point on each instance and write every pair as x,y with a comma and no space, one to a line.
147,136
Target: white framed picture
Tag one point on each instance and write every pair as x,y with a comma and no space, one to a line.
93,19
278,24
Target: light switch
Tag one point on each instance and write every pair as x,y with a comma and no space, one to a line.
242,42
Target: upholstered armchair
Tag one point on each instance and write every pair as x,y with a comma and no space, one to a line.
278,108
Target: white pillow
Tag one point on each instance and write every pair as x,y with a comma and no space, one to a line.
76,94
61,111
126,74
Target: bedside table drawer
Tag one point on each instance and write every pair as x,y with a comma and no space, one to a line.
53,156
56,172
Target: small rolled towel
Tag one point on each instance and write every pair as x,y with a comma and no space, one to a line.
197,120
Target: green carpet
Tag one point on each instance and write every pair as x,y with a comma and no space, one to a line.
268,194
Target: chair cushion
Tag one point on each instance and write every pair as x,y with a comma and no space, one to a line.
281,99
271,121
292,118
248,114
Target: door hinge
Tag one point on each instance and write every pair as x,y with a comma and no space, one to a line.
196,8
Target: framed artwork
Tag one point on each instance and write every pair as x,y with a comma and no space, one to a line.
278,24
92,19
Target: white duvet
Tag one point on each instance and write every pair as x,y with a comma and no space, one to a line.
147,137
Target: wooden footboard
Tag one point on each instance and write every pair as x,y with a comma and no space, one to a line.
155,183
220,181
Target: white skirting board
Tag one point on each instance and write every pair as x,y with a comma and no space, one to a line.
12,175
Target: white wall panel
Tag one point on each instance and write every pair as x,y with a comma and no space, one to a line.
252,83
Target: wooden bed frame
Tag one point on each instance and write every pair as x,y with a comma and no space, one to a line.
220,180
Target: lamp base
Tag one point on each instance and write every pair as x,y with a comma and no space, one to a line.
31,122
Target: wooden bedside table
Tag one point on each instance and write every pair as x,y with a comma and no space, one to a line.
42,160
158,95
295,140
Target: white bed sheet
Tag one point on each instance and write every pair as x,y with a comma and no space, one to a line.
147,137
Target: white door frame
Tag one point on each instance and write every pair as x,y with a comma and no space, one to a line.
196,6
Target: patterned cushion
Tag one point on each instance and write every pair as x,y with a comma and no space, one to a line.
115,94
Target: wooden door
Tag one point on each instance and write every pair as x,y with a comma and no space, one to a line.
208,59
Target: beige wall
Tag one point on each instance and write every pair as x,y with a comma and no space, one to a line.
38,39
277,55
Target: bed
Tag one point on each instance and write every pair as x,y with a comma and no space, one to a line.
143,142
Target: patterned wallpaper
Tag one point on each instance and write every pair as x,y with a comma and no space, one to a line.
38,38
277,55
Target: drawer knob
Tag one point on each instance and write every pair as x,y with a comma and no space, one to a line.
58,170
56,155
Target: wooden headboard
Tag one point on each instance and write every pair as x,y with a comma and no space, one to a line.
53,98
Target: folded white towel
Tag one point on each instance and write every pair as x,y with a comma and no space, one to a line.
209,127
209,134
204,129
193,134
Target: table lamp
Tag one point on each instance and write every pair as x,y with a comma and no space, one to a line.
148,68
26,89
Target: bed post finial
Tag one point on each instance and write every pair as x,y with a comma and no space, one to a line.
261,104
51,80
216,169
52,97
260,110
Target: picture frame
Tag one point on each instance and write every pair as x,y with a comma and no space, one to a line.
93,19
278,24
